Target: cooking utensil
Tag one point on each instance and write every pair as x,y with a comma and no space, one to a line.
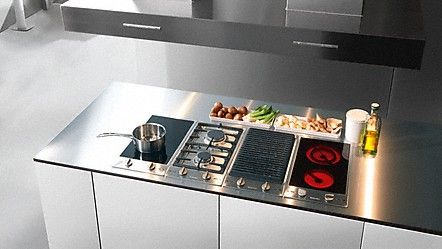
148,138
272,127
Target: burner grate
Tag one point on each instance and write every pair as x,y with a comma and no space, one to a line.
264,155
222,143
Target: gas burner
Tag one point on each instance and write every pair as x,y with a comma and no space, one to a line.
323,155
214,136
202,157
206,153
319,179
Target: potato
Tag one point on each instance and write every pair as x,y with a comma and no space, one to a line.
215,109
214,114
225,109
243,110
229,116
221,114
232,110
218,105
238,116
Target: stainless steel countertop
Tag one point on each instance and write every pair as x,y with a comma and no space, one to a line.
401,187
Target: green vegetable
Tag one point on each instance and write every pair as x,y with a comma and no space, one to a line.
264,114
265,117
263,110
269,118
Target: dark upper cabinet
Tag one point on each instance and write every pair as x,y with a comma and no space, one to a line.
387,32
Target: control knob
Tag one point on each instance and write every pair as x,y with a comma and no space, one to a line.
302,192
206,175
329,197
152,166
182,171
241,182
265,186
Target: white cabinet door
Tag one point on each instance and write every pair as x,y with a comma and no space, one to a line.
135,214
68,206
381,237
246,224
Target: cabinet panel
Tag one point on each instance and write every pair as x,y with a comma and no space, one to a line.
274,32
380,237
136,214
246,224
68,207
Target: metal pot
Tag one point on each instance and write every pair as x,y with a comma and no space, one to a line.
148,138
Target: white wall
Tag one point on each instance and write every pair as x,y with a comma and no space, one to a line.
31,7
4,8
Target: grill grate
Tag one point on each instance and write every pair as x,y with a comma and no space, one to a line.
264,155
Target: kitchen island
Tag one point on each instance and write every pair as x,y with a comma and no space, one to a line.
393,199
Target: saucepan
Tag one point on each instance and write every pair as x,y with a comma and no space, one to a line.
148,138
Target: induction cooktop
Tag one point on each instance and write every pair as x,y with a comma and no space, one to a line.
176,130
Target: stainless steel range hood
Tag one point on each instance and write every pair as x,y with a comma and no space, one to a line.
388,32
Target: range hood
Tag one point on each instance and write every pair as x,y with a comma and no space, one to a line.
387,32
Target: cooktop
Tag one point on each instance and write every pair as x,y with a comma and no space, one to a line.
176,130
320,172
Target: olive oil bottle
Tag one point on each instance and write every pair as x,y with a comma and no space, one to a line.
372,132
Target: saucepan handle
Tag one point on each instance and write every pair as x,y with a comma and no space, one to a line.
113,134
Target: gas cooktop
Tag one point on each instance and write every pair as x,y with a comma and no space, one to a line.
206,154
320,172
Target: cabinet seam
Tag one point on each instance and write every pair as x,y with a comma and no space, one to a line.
96,210
219,222
362,235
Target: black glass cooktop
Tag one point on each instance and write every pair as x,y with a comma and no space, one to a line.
176,130
321,165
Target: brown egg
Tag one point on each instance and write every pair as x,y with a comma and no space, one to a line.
214,114
229,116
243,110
221,114
225,109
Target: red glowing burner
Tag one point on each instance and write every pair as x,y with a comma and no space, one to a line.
323,155
319,179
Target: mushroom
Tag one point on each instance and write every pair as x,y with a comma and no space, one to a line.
334,123
336,130
320,119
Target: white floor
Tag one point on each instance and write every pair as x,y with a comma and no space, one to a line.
47,76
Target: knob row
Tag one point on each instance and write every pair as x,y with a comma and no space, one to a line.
327,197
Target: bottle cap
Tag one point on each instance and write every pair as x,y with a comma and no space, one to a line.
374,106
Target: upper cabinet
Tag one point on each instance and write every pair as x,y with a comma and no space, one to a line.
388,32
